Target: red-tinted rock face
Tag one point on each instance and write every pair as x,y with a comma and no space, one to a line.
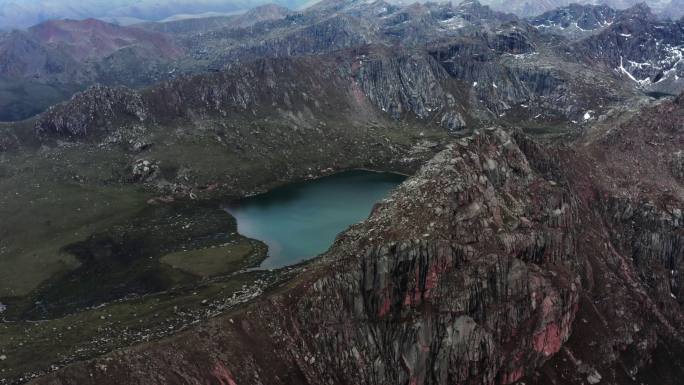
501,261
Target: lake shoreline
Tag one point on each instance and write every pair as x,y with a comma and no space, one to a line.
299,221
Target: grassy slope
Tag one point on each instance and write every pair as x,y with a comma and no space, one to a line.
21,99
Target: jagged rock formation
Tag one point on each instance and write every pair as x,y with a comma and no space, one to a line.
444,87
509,74
401,85
299,90
633,311
322,37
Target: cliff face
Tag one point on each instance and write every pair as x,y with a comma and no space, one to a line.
500,261
408,86
443,64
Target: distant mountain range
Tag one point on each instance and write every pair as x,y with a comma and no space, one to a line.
25,13
47,63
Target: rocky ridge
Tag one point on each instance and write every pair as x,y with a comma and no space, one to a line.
576,20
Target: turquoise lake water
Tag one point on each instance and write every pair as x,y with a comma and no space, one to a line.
301,220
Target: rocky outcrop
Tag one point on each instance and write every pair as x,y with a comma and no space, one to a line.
320,36
455,289
500,85
532,8
93,113
144,170
652,236
453,122
297,90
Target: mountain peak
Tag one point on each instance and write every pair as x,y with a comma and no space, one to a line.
641,11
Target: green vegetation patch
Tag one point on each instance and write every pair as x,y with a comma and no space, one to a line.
211,261
45,206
